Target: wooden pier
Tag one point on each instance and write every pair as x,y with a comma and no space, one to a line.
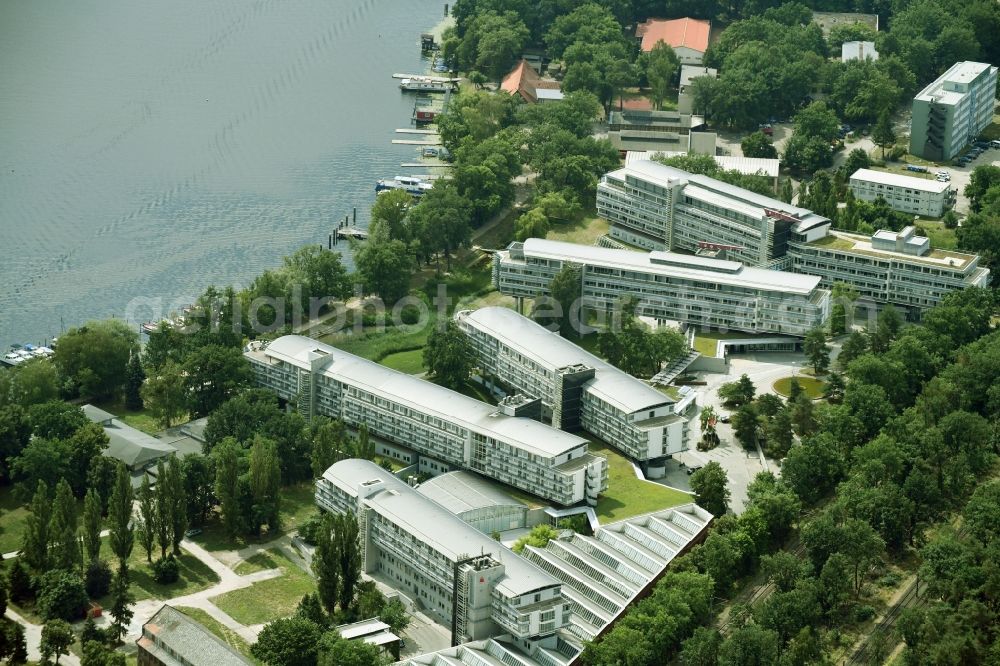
437,79
411,130
352,232
415,142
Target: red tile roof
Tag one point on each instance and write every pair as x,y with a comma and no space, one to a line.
688,32
523,80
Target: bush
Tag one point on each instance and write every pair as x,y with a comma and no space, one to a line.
91,632
166,571
896,153
98,579
309,530
61,595
862,613
891,579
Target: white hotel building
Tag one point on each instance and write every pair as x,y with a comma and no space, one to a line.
670,287
657,207
951,112
431,421
577,389
907,194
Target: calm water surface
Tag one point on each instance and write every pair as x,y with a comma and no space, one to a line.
152,149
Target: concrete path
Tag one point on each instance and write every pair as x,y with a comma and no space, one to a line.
33,637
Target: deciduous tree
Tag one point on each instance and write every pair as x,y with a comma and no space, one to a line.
449,356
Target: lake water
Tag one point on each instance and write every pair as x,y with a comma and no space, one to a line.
151,149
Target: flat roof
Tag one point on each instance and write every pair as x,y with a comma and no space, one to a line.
549,349
747,277
839,240
429,398
960,72
750,166
463,491
899,180
434,525
689,72
362,628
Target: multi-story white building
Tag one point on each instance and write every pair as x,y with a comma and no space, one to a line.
577,389
657,207
430,420
920,196
887,267
952,111
460,576
669,287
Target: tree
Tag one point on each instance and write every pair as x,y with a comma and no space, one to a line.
121,605
20,583
326,565
882,134
133,383
177,503
265,481
748,427
19,646
32,383
750,644
96,653
440,222
566,289
97,579
227,481
92,525
501,39
121,538
15,434
327,443
290,641
539,537
163,503
311,609
384,267
449,356
147,526
758,144
784,569
64,549
532,224
345,537
779,435
817,121
57,636
813,468
165,394
739,392
35,550
817,350
337,651
711,488
199,481
621,645
391,207
702,648
61,595
982,512
861,545
661,68
854,346
212,375
394,614
41,461
94,357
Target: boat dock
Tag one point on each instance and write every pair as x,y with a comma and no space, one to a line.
410,130
426,77
416,142
426,165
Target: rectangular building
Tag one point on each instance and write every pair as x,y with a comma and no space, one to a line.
171,638
888,267
907,194
858,51
688,37
461,577
951,112
430,420
657,207
632,129
669,286
577,389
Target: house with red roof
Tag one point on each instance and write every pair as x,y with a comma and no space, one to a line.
687,36
523,80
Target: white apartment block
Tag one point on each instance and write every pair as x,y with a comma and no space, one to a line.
460,576
951,112
887,267
907,194
431,421
578,390
670,287
657,207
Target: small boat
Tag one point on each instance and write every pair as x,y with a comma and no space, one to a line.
415,186
426,84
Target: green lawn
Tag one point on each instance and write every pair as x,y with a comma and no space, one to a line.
195,576
228,636
627,495
140,420
941,237
813,387
706,342
585,231
259,562
395,464
13,517
499,235
411,362
297,504
269,599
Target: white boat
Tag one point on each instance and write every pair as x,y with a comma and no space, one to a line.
415,186
426,84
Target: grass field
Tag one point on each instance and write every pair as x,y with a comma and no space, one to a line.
259,562
941,237
584,232
195,575
813,387
411,362
228,636
706,342
12,522
628,495
297,504
140,420
269,599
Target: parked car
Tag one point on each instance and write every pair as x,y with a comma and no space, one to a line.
194,531
766,129
995,143
726,418
694,468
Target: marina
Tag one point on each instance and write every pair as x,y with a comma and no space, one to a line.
415,142
19,354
